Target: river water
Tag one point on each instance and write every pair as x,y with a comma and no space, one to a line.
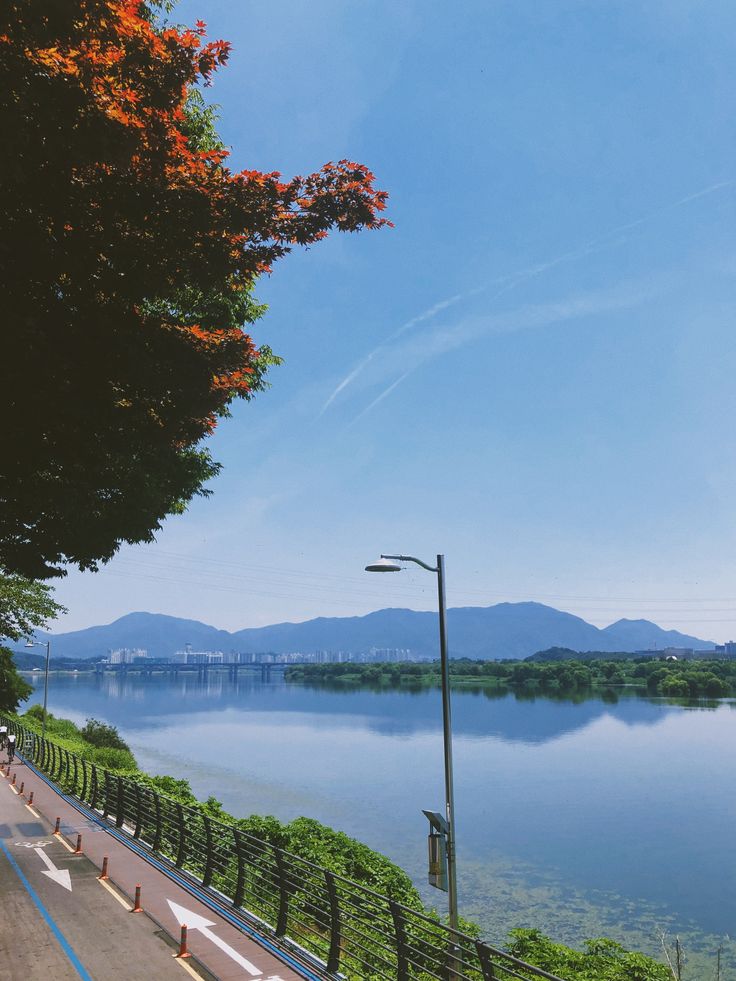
597,818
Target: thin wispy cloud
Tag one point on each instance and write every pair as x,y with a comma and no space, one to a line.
383,395
420,318
417,350
349,378
608,239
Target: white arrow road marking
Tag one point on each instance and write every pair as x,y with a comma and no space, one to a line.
58,875
193,921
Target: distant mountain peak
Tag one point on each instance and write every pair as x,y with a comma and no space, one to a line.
645,635
625,621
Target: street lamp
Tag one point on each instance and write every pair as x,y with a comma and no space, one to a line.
47,645
387,563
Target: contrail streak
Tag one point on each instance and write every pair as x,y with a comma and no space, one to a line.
426,315
511,282
440,341
382,396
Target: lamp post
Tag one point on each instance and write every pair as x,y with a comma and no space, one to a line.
47,645
387,563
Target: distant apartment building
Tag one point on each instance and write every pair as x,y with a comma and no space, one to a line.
323,657
126,655
729,648
202,657
297,657
390,654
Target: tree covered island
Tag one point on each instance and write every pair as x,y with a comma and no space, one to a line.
557,672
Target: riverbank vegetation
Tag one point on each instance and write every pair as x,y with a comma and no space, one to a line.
96,742
563,678
102,745
307,838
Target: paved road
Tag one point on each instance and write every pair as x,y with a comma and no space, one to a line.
66,925
51,933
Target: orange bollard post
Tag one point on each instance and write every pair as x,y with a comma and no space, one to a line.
30,798
78,849
58,826
137,908
22,785
103,874
12,782
183,952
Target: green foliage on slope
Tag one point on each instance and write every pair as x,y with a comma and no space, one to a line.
601,960
111,752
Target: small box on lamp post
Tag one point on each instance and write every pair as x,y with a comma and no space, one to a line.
437,850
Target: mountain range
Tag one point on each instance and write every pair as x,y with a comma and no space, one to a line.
506,630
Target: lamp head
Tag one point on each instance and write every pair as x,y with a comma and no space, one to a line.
383,565
29,643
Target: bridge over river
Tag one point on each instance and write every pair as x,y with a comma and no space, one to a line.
170,668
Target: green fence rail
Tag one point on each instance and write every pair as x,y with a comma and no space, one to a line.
346,929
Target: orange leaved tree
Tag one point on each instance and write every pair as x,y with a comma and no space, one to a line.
128,251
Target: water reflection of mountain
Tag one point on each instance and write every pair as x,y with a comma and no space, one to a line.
132,702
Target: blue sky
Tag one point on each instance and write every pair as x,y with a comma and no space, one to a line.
533,372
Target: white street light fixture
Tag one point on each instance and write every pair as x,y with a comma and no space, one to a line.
47,645
383,565
387,563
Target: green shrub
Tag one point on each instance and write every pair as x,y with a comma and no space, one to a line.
178,789
36,712
67,735
120,760
102,735
602,959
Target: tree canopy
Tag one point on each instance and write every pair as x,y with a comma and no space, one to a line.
25,606
13,689
128,256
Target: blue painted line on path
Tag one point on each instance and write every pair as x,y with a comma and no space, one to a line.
185,884
65,945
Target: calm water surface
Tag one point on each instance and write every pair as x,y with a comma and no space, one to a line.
577,819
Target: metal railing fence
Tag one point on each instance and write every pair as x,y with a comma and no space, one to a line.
347,929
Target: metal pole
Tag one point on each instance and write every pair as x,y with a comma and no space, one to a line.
46,690
447,736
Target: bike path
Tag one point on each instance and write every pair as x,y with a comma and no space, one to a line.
59,923
221,949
